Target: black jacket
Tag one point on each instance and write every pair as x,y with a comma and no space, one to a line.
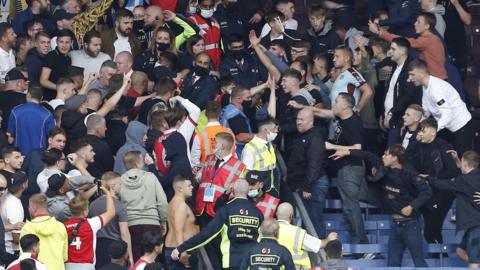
307,160
405,94
411,152
325,41
103,156
268,254
402,16
434,160
401,187
200,92
73,122
237,223
115,135
465,185
249,74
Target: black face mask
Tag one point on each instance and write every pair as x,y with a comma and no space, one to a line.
148,28
138,25
247,105
225,99
163,46
44,13
201,71
237,54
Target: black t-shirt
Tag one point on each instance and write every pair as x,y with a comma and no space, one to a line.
238,125
8,175
349,132
148,107
59,64
8,100
455,30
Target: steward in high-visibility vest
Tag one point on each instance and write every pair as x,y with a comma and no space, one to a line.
268,253
296,239
217,175
264,200
204,140
259,154
210,32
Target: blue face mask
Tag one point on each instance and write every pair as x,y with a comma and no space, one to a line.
206,13
218,153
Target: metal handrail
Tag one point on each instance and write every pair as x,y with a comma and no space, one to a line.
205,259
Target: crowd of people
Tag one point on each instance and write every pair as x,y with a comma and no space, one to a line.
133,133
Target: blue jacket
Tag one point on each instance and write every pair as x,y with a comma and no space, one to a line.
29,124
403,14
23,17
200,92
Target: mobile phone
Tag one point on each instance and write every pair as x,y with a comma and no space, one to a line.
99,185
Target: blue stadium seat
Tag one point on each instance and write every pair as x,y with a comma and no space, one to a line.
364,248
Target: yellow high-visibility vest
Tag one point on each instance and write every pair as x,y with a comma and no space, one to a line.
291,237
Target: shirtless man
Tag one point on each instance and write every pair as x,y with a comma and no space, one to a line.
181,222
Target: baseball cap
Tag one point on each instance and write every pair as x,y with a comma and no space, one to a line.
253,177
74,102
61,14
18,179
14,74
55,183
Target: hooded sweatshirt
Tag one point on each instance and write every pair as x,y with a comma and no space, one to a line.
134,135
440,26
53,240
144,198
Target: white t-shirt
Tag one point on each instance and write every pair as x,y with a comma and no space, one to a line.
7,62
121,45
54,103
88,63
12,212
389,97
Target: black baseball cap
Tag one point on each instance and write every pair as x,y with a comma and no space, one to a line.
55,183
253,177
14,74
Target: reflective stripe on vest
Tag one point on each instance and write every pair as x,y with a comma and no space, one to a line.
233,171
297,246
292,237
268,204
259,155
206,141
211,46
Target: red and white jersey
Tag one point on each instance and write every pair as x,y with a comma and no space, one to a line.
140,264
82,248
15,265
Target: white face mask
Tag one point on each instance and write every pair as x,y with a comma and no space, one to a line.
193,9
271,136
253,193
206,13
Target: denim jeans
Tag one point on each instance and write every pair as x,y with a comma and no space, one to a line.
316,204
406,234
349,181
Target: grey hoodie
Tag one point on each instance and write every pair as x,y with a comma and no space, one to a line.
334,264
134,142
440,26
144,198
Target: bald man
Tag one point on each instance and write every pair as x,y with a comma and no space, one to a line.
156,17
124,62
306,167
268,253
237,223
288,234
